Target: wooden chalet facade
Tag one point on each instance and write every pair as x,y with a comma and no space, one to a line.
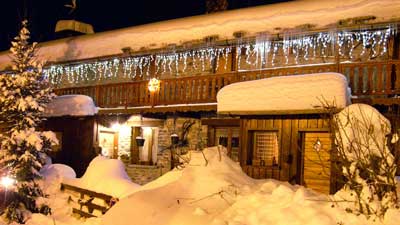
294,158
284,131
114,68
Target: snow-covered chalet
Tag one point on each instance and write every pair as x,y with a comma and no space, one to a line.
156,80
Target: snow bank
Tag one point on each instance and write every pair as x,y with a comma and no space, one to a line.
61,211
192,197
251,20
106,176
71,105
279,203
58,170
220,193
217,194
297,93
355,122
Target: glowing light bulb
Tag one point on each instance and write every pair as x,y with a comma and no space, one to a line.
7,181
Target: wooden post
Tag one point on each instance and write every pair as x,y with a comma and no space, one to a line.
234,65
211,136
229,144
396,55
96,95
115,146
152,69
396,45
150,152
152,98
134,148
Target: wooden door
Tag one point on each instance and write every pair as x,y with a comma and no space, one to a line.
317,161
109,143
231,136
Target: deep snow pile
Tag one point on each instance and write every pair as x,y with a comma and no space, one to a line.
53,175
368,165
198,194
106,176
71,105
284,93
220,193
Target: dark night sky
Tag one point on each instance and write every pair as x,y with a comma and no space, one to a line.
103,15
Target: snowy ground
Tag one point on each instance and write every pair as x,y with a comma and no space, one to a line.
216,193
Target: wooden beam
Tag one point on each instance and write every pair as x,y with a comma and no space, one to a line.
275,112
82,213
172,108
221,122
83,191
134,148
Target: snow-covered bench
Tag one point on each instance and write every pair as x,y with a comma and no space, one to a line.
87,203
103,184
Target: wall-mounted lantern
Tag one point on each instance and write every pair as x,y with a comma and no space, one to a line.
154,85
140,141
174,139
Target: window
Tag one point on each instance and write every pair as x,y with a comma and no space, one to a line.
266,150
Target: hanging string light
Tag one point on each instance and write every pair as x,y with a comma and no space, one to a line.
264,52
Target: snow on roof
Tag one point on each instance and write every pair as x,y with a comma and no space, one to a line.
285,94
71,105
254,20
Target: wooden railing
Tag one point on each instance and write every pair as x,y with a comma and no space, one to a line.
366,80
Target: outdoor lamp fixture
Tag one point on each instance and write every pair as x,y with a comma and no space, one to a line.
154,85
116,126
140,141
7,181
174,139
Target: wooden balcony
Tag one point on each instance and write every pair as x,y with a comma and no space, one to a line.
369,80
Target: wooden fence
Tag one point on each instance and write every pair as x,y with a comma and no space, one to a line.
366,80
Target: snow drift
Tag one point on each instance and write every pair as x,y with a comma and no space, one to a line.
56,169
292,94
368,165
219,193
198,194
71,105
354,122
106,176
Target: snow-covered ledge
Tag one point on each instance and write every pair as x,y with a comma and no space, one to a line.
284,95
71,105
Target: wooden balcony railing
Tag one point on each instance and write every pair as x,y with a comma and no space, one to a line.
366,80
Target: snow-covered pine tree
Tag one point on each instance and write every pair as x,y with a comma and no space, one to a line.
23,95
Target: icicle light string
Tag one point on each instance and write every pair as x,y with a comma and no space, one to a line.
261,53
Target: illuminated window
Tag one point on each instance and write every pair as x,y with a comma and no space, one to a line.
266,149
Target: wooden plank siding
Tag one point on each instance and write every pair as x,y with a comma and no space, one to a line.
317,163
379,79
289,129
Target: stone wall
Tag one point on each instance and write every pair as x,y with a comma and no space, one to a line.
124,141
143,174
170,127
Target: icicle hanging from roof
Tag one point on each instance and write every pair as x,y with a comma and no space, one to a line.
261,53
